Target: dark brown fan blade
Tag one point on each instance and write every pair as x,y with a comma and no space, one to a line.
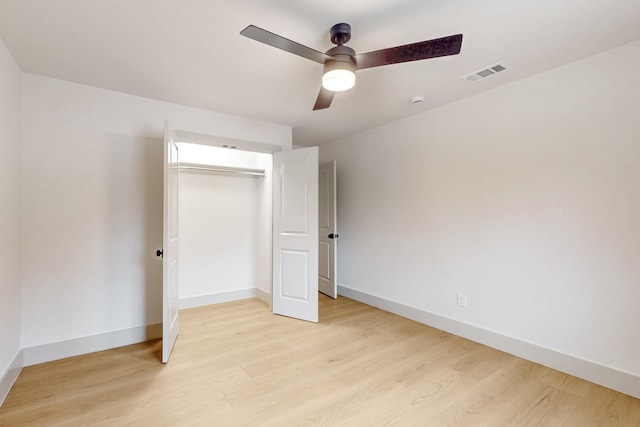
324,99
444,46
280,42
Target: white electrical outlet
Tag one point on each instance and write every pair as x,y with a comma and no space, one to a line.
462,300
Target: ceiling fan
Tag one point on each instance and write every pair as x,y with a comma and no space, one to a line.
341,62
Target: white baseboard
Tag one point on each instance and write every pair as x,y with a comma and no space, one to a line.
10,376
75,347
43,353
264,296
200,300
615,379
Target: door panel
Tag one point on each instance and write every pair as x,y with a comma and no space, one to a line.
295,275
327,246
170,246
295,233
324,254
294,213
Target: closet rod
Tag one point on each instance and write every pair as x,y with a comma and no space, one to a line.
223,169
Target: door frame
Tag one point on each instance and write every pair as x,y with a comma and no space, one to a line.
328,230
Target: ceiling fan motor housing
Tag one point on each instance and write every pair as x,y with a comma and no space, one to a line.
343,57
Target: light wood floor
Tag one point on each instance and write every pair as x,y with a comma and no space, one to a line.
236,364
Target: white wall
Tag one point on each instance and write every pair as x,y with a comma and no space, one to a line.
92,205
221,227
526,198
9,216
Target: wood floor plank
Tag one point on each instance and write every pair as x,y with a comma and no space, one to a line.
236,364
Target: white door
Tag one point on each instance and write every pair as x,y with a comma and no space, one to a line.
327,240
170,246
295,233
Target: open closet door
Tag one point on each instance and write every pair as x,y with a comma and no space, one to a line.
170,246
295,233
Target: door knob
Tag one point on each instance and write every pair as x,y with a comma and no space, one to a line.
333,236
160,253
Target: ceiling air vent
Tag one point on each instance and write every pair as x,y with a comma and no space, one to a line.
486,72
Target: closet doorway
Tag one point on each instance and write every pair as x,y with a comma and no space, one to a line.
225,225
285,222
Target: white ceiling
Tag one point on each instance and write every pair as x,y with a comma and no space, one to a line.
190,51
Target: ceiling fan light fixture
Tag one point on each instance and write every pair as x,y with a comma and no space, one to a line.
339,76
338,80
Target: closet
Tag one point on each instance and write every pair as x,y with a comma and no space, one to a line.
225,224
250,214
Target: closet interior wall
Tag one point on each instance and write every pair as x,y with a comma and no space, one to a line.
225,225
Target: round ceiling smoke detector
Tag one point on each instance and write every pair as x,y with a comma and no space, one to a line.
417,99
